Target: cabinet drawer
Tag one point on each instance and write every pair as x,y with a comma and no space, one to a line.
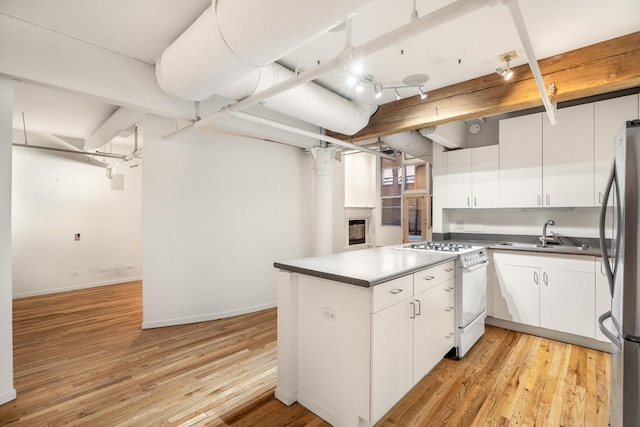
446,290
430,277
388,293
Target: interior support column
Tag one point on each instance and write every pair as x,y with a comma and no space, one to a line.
324,199
7,392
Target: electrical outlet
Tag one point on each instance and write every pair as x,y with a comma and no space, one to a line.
75,273
459,225
329,314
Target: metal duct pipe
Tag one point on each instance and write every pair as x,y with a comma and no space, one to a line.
307,102
431,20
232,38
410,142
122,119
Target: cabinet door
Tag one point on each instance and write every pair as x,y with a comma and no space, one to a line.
521,161
603,300
391,356
610,115
459,179
516,294
433,328
568,158
485,176
567,302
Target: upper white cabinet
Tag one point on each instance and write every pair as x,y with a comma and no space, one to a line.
473,178
521,161
458,178
609,117
485,176
567,158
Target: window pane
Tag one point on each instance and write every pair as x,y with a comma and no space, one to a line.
391,182
391,212
416,178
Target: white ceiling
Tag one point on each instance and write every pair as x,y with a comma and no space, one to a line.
460,50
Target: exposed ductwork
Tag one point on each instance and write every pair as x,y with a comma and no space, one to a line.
122,119
410,142
216,55
233,38
451,135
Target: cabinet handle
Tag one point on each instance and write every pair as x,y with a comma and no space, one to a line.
449,289
468,202
428,277
545,279
535,277
539,200
413,310
475,201
449,335
449,270
448,309
395,291
548,200
419,312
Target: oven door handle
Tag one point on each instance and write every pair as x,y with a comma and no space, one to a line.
477,266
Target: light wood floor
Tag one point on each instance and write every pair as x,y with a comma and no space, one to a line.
82,359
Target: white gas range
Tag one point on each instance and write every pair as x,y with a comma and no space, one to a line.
470,289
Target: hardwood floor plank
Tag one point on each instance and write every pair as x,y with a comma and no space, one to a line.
81,359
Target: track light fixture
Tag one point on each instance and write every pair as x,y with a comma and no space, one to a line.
398,97
507,72
377,91
357,80
423,94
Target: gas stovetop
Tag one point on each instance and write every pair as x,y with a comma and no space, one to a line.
440,247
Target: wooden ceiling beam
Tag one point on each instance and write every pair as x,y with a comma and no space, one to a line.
593,70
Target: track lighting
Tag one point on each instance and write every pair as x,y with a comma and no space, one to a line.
423,94
377,91
506,73
398,97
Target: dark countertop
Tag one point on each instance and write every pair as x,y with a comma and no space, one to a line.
366,267
569,246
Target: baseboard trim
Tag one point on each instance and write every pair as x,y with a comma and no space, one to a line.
8,396
551,334
78,287
204,317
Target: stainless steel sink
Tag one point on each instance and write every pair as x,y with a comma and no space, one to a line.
520,245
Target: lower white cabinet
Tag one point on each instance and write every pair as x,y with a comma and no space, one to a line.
391,356
551,291
354,352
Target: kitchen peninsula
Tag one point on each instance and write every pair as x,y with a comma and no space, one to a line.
357,330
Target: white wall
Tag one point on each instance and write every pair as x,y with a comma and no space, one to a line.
360,183
576,222
218,210
7,392
53,199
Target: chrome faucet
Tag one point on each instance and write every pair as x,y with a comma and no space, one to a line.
545,238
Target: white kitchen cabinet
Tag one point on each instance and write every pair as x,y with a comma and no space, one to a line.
610,115
517,297
433,327
567,301
472,178
567,158
485,176
391,356
555,292
603,300
521,161
459,178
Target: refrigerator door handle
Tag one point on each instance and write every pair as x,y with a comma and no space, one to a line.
611,184
614,339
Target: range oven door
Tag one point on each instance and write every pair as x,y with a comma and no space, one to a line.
472,293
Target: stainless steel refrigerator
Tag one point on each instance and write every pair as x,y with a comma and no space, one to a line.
623,272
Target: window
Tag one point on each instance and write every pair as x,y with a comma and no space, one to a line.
415,177
391,190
